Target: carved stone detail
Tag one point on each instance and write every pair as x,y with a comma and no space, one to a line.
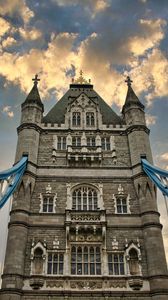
85,217
55,284
117,284
86,285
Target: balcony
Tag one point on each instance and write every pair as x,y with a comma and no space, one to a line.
84,153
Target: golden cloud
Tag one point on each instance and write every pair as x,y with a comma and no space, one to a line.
4,26
149,73
8,42
30,34
7,110
93,6
150,120
20,7
152,34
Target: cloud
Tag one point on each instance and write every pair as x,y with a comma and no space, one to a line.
91,6
150,75
7,110
152,32
150,120
16,7
4,26
30,34
8,42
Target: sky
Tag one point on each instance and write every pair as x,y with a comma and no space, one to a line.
108,40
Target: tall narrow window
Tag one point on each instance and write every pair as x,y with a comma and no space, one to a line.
116,264
76,118
84,198
85,260
48,204
121,205
91,141
76,141
90,120
105,143
133,262
55,263
61,143
38,261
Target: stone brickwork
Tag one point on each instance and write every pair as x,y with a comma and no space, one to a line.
84,192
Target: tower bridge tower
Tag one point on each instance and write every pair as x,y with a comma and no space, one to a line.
84,221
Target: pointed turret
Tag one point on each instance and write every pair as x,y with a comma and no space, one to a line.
32,107
131,97
34,96
133,109
29,129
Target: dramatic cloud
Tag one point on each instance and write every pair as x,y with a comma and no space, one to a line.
7,110
95,5
10,41
4,26
15,7
150,120
152,32
32,34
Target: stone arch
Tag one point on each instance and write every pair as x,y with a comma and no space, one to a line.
133,259
97,188
38,256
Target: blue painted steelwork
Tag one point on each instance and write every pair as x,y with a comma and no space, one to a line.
12,178
157,175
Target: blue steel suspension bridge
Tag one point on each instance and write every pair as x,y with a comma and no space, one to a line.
10,179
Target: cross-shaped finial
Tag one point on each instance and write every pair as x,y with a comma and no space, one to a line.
128,81
36,79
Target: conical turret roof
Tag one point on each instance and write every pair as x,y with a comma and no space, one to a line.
34,96
131,97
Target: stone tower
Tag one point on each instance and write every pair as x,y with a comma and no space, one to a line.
84,221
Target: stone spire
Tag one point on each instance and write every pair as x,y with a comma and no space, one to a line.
34,96
131,97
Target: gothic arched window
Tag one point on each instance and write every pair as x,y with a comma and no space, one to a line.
38,261
84,198
133,262
48,204
85,260
76,119
90,120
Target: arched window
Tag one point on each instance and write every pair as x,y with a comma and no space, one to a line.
76,119
84,198
48,204
38,261
85,260
90,120
133,262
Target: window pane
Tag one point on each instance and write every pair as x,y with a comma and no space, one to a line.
49,268
73,268
55,267
92,269
98,269
61,268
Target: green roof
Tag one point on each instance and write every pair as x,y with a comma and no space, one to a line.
57,113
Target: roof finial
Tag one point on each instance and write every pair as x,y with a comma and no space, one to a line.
128,81
81,79
36,79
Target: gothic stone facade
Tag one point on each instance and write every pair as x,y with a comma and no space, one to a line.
84,221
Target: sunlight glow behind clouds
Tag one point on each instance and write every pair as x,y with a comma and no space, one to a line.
149,73
13,7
